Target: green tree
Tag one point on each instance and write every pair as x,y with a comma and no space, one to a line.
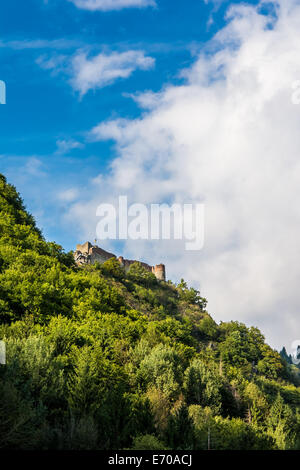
180,430
202,386
147,442
161,368
113,268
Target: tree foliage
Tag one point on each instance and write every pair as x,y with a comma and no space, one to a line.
102,359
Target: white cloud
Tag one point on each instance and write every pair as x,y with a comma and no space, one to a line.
69,195
106,5
65,146
89,73
104,69
58,63
229,137
34,167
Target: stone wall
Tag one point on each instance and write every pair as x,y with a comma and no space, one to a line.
90,254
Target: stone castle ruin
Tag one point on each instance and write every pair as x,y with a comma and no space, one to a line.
90,254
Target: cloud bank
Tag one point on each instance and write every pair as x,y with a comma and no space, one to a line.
229,137
106,5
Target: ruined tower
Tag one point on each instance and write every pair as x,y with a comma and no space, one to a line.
160,272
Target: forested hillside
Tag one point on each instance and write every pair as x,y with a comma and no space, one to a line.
100,359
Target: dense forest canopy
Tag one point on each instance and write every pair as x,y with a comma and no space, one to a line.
102,359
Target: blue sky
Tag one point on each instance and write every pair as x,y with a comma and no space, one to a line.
42,108
165,100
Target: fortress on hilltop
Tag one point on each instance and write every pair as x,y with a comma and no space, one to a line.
90,254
